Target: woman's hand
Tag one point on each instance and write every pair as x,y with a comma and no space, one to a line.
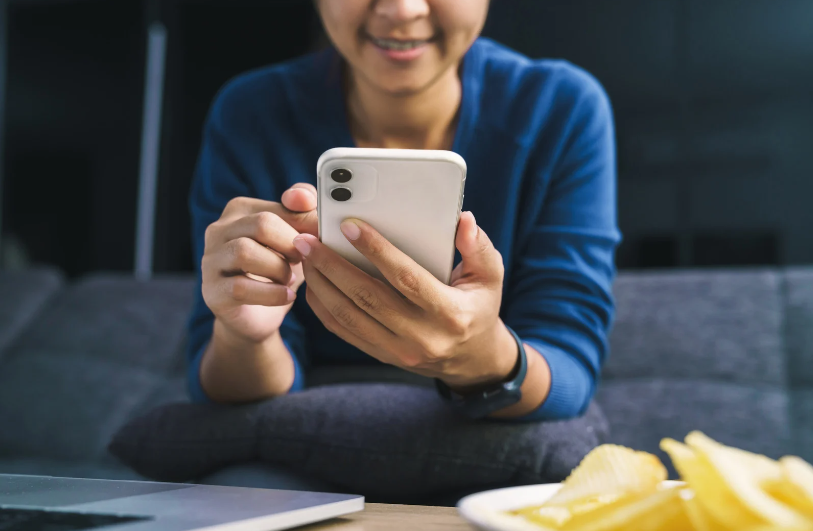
449,332
251,269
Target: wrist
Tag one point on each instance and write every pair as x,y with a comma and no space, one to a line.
495,362
238,369
232,340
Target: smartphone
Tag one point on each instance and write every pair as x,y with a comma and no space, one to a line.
412,197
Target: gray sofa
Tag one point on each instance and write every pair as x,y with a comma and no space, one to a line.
729,352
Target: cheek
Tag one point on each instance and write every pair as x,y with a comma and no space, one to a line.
461,21
342,19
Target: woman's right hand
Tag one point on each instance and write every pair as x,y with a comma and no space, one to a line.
251,269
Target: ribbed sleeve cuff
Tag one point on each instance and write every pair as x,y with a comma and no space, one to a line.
571,386
198,395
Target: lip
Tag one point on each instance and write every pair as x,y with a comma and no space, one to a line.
402,56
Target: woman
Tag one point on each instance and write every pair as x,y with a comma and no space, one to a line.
538,140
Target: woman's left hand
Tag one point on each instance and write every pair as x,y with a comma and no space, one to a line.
453,332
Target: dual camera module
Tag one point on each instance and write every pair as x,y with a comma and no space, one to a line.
341,193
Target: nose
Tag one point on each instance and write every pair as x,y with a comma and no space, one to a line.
402,10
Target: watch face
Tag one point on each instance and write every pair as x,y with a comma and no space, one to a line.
490,402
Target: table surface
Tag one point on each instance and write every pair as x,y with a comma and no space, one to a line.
377,517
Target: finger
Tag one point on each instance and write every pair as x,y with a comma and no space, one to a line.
267,229
369,294
246,256
301,197
330,322
349,316
303,222
413,281
240,290
481,259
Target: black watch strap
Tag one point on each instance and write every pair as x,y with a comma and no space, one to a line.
483,403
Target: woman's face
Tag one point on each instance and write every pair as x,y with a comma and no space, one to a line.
402,46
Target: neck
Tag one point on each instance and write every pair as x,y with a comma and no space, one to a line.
424,120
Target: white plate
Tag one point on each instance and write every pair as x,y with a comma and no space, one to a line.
486,510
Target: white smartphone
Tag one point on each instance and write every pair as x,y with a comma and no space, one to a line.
412,197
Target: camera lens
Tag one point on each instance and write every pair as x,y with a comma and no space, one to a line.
341,175
341,194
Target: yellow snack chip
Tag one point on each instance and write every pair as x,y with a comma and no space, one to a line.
726,489
696,514
795,487
606,475
610,472
658,511
732,491
708,488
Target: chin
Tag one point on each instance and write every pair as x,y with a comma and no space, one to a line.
403,87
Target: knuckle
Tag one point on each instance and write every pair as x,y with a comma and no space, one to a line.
434,349
410,360
421,359
326,267
376,246
242,250
210,235
237,204
266,224
426,345
236,290
457,322
364,298
344,316
407,280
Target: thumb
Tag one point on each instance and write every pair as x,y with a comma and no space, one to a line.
480,259
300,197
300,202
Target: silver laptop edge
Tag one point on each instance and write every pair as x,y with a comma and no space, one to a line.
176,507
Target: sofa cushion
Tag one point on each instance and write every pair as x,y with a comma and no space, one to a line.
725,325
641,413
99,352
799,329
24,293
396,442
117,319
801,410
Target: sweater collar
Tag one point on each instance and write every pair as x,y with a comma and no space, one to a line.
330,109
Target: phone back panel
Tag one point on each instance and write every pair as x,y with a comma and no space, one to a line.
412,197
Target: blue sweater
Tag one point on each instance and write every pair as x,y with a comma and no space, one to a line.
538,139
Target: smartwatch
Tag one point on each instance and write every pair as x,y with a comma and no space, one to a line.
485,402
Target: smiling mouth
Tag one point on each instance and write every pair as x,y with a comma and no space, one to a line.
399,45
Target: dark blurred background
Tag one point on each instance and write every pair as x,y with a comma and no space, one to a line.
713,102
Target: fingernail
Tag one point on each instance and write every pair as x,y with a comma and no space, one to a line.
302,246
350,230
293,279
291,295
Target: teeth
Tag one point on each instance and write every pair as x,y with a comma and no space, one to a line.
392,44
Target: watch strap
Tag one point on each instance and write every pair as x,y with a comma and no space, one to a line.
487,401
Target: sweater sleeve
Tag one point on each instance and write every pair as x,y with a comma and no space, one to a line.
559,297
221,175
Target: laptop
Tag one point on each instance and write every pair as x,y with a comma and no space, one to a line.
37,503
